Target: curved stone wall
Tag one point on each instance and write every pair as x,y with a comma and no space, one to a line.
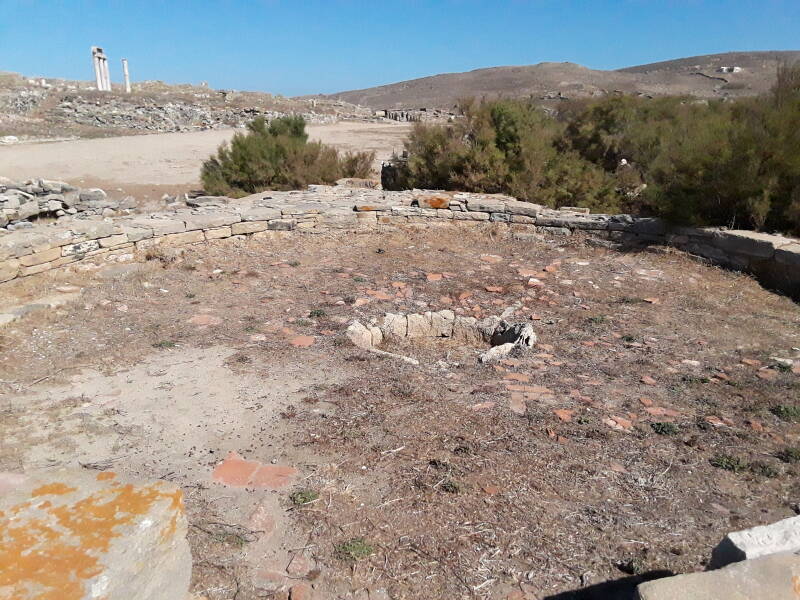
774,260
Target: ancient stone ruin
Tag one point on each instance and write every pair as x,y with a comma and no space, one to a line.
502,337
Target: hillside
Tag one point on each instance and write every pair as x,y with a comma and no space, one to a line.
551,82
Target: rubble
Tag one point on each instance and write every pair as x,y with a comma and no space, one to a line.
21,202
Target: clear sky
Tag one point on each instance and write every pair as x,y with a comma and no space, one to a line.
323,46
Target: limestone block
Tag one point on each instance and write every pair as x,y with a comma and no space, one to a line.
34,269
359,334
92,195
179,239
442,323
281,225
782,536
218,233
523,219
160,226
113,240
444,213
418,326
248,227
9,269
394,325
434,201
377,336
210,221
487,205
749,243
92,230
80,248
406,211
499,217
527,209
471,216
137,234
97,536
772,577
465,329
40,257
27,210
650,226
788,255
580,210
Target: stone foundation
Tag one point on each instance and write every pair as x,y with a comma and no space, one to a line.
773,259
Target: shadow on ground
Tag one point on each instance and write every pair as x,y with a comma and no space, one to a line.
619,589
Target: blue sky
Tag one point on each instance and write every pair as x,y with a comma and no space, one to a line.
319,46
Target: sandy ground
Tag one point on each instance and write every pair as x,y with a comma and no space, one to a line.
167,161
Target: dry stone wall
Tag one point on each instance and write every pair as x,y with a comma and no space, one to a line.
775,260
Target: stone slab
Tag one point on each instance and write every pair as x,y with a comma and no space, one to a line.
774,577
96,536
781,536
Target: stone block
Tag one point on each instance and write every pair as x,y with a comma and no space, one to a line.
27,210
497,217
782,536
749,243
210,221
471,216
466,330
523,219
434,201
92,195
218,233
773,577
113,240
788,255
40,257
244,228
9,269
527,209
444,213
137,234
418,326
179,239
579,210
442,323
359,335
80,248
160,226
281,225
395,325
487,205
96,536
92,230
649,226
34,269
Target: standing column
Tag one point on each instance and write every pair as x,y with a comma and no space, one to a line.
98,75
106,76
126,76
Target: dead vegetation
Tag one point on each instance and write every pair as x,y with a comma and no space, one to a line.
649,420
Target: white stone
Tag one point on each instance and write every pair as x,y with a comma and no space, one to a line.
781,536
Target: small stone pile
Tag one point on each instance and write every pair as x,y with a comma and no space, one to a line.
21,202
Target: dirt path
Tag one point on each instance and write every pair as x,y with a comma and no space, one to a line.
167,159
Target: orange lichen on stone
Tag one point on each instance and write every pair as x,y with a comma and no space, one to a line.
106,475
52,488
51,551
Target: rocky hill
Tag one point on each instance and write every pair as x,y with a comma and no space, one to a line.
699,76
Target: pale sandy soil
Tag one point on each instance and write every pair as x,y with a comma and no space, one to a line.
167,162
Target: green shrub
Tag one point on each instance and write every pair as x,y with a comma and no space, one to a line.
786,412
503,146
789,455
728,463
354,549
277,156
694,162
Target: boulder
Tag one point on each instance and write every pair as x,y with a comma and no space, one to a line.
773,577
781,536
92,195
82,534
